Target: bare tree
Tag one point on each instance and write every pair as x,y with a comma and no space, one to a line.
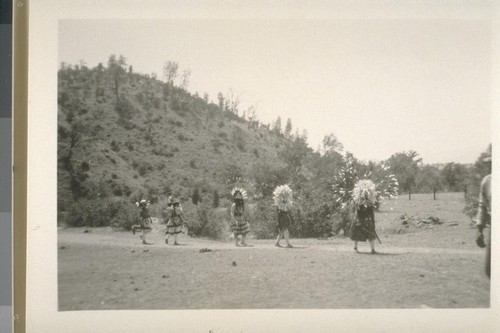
251,116
185,79
220,97
232,102
170,69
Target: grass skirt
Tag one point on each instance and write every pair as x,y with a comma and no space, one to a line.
174,226
239,226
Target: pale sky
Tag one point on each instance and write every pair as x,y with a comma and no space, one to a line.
381,86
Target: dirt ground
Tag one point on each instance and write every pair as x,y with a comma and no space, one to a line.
426,266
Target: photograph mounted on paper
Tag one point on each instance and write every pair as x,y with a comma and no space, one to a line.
273,164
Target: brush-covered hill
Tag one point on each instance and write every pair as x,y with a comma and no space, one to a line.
125,136
129,135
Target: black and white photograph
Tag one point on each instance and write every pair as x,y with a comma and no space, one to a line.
297,161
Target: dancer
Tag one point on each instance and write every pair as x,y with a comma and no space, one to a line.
364,198
175,219
239,223
146,223
283,201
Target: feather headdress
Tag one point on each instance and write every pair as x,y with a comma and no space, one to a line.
174,202
283,197
239,190
364,193
386,184
142,203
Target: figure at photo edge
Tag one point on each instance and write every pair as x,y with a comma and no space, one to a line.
145,220
239,224
364,198
175,219
283,201
483,218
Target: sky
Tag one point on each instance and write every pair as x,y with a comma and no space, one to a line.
382,86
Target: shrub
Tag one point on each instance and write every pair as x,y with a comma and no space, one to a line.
311,221
175,104
216,143
125,109
203,221
174,122
160,150
223,135
263,219
115,212
342,221
125,214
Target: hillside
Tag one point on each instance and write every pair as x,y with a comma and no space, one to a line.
131,135
125,136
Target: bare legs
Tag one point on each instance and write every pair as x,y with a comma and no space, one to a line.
143,236
175,238
286,234
144,231
372,245
243,240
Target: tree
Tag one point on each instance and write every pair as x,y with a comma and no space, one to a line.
83,64
170,69
429,179
220,97
215,199
195,197
232,102
266,175
331,144
288,128
252,119
294,154
405,166
304,135
71,137
277,126
185,79
454,176
117,68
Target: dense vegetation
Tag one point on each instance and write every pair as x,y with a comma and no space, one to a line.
125,136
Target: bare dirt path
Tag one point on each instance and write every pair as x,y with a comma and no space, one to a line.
108,237
105,269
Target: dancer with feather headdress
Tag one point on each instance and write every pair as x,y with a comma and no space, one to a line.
364,197
239,223
283,201
363,194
